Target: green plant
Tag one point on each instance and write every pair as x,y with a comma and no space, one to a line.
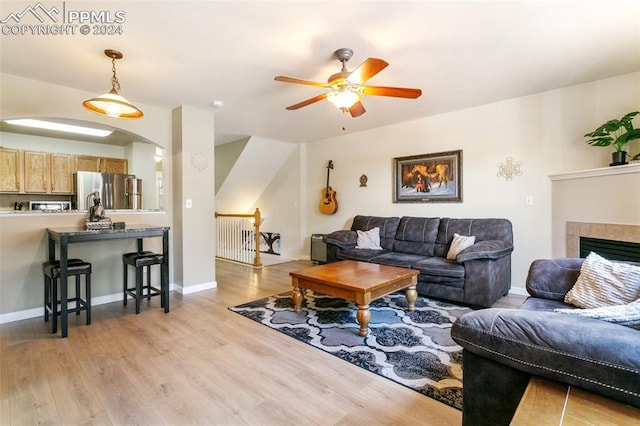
615,132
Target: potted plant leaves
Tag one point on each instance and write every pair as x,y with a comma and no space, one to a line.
617,133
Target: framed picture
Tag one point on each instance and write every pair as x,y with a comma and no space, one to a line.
428,178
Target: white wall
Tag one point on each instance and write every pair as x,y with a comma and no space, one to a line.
543,131
280,206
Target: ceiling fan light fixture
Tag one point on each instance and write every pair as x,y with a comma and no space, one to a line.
343,97
112,104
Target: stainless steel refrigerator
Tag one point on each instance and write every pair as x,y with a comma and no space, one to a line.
109,186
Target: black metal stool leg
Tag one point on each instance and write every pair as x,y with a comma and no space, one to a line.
54,305
78,295
47,298
124,280
139,273
148,282
87,283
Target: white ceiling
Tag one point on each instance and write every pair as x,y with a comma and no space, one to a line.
461,54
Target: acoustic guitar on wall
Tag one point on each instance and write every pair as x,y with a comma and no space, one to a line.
328,203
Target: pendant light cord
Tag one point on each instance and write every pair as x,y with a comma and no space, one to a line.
114,80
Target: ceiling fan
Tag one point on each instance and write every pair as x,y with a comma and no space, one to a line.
347,87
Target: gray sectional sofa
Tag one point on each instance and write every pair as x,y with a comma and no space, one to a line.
503,348
479,276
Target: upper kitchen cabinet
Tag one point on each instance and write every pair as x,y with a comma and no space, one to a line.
114,165
61,173
9,170
36,172
101,164
47,173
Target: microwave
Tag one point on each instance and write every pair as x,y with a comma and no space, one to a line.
50,206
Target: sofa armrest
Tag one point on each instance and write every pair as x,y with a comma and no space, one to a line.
343,239
596,355
490,249
552,278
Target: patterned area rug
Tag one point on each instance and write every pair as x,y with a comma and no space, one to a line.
414,349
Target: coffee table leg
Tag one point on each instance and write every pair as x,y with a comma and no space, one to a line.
363,316
412,295
296,295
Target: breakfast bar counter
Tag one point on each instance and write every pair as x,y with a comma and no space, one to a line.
63,236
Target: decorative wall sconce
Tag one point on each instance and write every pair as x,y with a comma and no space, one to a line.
112,104
363,180
509,169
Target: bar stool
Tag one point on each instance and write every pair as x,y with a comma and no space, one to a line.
140,261
77,268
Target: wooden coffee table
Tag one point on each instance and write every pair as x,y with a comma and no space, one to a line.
358,282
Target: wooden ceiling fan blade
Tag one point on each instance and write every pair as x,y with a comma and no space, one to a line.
307,102
366,70
357,109
299,81
396,92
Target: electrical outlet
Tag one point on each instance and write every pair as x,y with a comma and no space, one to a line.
189,204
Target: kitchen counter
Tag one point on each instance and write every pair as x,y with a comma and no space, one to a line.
74,212
24,247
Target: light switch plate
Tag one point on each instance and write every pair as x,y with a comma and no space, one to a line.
189,204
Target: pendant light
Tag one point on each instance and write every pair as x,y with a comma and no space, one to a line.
112,104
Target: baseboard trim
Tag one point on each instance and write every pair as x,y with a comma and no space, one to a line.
195,288
39,312
518,291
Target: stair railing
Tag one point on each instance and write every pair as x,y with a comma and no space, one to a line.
239,238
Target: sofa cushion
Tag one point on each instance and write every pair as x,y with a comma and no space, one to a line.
362,255
437,266
539,304
604,283
482,229
592,354
403,260
416,235
387,225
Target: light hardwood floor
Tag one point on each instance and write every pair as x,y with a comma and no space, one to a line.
199,364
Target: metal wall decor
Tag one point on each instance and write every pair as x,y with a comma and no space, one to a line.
509,169
363,180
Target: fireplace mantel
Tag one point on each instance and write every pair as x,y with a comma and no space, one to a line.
600,203
603,171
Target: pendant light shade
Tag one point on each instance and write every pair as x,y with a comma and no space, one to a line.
112,104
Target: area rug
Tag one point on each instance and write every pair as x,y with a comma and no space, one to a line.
414,349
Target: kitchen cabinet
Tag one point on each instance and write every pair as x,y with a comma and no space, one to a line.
10,170
47,173
114,165
36,172
101,164
61,173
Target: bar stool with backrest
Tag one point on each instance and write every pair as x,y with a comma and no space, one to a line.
140,261
75,268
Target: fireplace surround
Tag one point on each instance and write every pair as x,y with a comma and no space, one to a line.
604,231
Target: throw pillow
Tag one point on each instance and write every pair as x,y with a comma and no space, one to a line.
369,239
459,243
604,283
628,315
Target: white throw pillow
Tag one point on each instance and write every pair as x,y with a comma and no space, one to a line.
604,283
369,239
459,243
628,315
